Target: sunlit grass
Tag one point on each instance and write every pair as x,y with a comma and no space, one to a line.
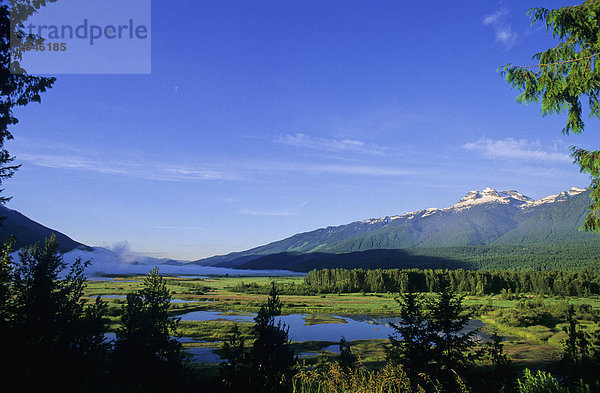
526,345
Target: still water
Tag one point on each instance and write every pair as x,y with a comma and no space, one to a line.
356,327
360,327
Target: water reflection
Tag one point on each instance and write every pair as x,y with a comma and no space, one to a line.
357,327
215,315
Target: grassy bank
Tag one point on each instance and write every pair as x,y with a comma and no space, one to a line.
527,345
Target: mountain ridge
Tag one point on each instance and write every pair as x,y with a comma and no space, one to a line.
27,232
479,218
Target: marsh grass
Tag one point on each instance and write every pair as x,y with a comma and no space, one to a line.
332,378
529,345
217,330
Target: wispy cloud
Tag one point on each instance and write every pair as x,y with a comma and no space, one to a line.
154,171
517,150
71,162
338,145
167,172
234,170
177,227
353,170
274,213
502,28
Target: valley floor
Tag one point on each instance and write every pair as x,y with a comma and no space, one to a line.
209,307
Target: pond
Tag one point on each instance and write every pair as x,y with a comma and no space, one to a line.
359,327
356,327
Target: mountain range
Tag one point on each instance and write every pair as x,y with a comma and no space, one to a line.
482,228
480,218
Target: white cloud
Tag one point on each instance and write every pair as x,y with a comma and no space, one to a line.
354,170
273,213
166,172
496,17
71,162
225,170
156,171
516,150
502,28
339,145
177,227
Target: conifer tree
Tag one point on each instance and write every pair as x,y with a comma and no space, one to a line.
271,357
447,322
412,347
17,88
565,75
147,357
433,340
55,342
234,371
348,360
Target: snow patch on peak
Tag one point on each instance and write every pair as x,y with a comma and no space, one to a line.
490,195
381,220
487,195
471,196
561,197
489,191
418,214
576,191
430,211
518,196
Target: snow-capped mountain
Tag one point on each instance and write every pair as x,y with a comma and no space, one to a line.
479,218
488,195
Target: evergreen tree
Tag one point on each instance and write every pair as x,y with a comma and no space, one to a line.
17,88
234,371
6,282
433,342
412,349
581,354
54,341
564,75
451,343
146,356
271,357
502,373
348,360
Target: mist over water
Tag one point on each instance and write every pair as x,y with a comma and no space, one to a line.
120,260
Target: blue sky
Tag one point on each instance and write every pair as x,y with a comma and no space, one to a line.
263,119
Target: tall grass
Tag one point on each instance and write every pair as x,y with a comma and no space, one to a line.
332,378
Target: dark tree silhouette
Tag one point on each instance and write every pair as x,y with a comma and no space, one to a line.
16,89
53,340
581,356
234,371
348,360
412,349
451,344
271,358
433,342
146,356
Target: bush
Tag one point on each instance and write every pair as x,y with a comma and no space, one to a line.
541,382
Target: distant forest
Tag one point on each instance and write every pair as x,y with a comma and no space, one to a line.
576,255
572,256
560,283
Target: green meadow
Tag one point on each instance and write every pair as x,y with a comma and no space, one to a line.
528,345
